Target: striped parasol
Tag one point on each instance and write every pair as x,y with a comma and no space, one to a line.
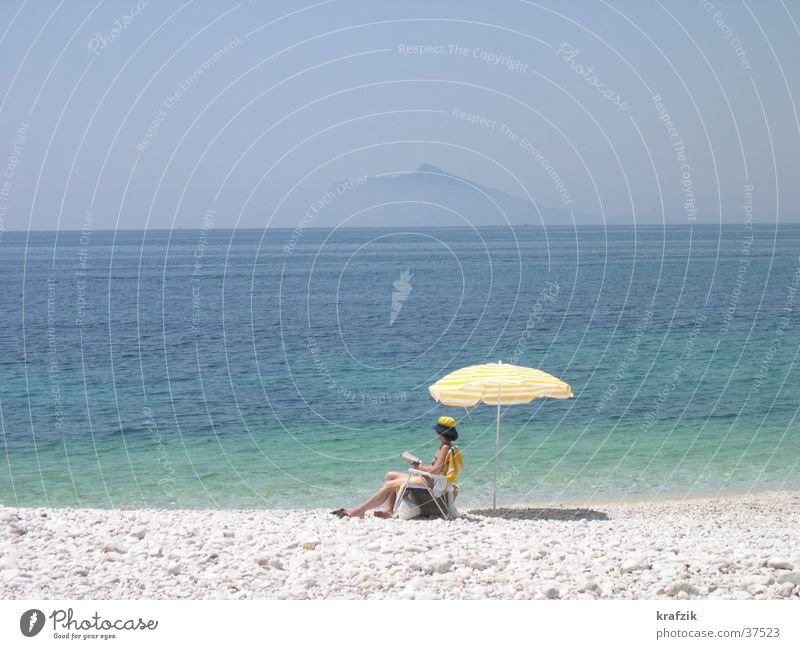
497,384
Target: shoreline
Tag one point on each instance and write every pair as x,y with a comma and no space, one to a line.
718,547
596,501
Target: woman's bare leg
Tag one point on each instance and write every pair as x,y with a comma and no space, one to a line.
388,490
373,501
389,508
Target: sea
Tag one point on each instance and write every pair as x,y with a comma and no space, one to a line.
286,368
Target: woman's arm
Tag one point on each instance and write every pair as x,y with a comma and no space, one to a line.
438,462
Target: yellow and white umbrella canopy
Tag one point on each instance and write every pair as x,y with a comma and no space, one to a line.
497,384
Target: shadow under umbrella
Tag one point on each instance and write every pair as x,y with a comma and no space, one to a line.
543,513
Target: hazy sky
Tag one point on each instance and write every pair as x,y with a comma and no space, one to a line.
148,115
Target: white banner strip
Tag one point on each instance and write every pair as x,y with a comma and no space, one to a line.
150,624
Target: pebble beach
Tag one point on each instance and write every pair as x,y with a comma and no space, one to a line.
732,547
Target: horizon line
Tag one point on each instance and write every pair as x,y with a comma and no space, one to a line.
416,227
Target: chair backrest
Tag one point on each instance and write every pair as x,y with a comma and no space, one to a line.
453,464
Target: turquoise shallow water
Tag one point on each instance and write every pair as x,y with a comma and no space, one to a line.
248,368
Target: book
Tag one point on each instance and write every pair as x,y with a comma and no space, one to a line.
410,458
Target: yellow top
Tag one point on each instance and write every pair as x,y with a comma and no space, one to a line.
453,463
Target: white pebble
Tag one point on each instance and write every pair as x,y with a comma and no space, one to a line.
779,563
138,532
789,578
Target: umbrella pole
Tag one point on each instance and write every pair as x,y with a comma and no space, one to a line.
496,455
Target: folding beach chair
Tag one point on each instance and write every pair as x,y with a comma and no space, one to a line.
438,500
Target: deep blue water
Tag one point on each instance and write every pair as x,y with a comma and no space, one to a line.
249,368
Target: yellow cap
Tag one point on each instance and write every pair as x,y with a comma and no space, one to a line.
449,422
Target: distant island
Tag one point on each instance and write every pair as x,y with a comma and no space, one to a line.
428,196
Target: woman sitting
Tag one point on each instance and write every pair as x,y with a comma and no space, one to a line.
446,434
